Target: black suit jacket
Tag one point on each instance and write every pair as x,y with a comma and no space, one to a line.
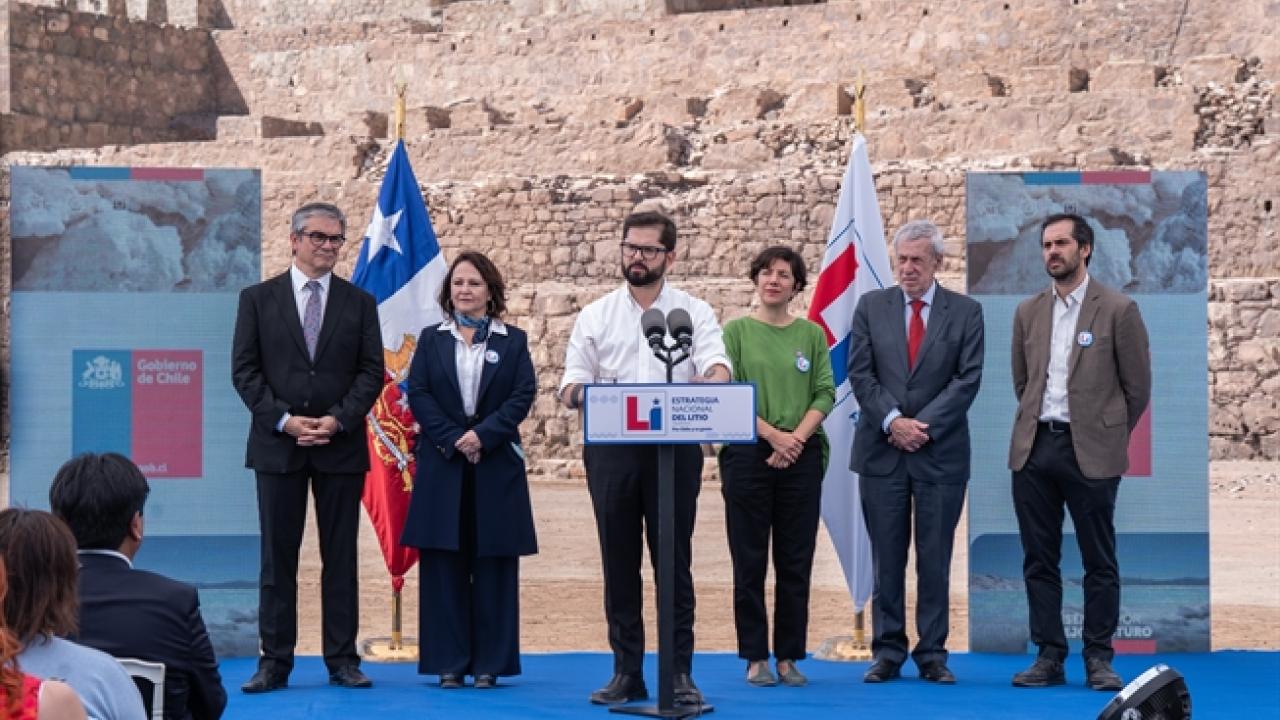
504,514
274,375
134,613
937,391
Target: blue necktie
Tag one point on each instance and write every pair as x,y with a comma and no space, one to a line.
311,318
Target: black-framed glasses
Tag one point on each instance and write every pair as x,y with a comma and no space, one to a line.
644,251
318,239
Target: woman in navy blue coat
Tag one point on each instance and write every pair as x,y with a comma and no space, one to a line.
470,385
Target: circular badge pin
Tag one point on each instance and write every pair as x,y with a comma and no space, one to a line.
1085,338
802,362
491,357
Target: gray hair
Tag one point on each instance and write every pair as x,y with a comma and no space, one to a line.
920,230
304,213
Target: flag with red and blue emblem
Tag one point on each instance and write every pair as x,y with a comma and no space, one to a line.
856,261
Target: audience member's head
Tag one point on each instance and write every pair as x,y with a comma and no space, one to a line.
100,496
40,564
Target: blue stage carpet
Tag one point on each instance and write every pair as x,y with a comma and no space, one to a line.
1222,685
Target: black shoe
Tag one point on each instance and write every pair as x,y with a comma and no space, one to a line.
485,681
684,692
882,671
1044,672
1100,676
349,676
937,672
450,681
265,681
621,688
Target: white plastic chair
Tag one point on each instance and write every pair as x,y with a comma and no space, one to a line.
149,677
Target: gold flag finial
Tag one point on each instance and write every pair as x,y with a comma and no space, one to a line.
860,103
401,88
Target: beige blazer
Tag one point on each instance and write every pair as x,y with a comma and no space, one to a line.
1108,384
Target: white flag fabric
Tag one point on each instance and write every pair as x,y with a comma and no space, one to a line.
856,261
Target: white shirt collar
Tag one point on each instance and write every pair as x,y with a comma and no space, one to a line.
1077,295
108,553
300,279
657,299
927,297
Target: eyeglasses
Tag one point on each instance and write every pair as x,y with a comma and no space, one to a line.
318,239
645,251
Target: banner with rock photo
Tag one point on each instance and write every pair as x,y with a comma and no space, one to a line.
125,283
1151,242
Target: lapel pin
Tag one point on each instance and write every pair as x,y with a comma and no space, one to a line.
802,362
491,357
1085,338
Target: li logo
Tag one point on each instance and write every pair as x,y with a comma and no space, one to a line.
643,412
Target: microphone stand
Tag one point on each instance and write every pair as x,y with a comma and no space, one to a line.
670,355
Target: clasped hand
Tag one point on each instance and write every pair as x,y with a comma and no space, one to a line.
469,445
908,434
311,431
786,449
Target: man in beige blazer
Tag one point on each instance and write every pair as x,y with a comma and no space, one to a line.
1082,374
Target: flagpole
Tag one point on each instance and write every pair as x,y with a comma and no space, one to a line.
401,89
854,647
397,634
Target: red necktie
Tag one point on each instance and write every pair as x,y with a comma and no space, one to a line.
915,332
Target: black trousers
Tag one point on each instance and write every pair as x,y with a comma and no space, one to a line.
469,606
623,481
760,501
282,516
1050,479
889,505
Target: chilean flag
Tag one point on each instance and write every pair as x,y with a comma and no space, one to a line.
401,265
856,261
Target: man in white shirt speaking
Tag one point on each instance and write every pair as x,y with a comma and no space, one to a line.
608,346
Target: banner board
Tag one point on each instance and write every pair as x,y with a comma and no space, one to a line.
125,285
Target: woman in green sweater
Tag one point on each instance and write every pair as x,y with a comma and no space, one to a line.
775,486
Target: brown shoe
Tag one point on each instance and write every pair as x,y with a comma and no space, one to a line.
1100,676
1044,672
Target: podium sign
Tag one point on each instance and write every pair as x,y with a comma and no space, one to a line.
678,414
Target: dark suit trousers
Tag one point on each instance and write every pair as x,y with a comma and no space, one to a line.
1051,478
760,501
469,606
623,481
889,506
282,514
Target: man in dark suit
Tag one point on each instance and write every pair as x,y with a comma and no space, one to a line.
126,612
307,362
1082,374
915,366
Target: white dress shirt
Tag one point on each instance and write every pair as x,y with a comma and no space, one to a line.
470,360
1066,314
607,344
895,413
301,294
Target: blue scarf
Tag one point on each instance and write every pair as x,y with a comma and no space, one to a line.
481,326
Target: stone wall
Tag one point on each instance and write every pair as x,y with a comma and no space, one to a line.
537,124
1244,369
81,79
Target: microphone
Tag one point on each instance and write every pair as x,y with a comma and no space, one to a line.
653,324
681,327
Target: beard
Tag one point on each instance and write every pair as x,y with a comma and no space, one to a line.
1064,271
641,275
